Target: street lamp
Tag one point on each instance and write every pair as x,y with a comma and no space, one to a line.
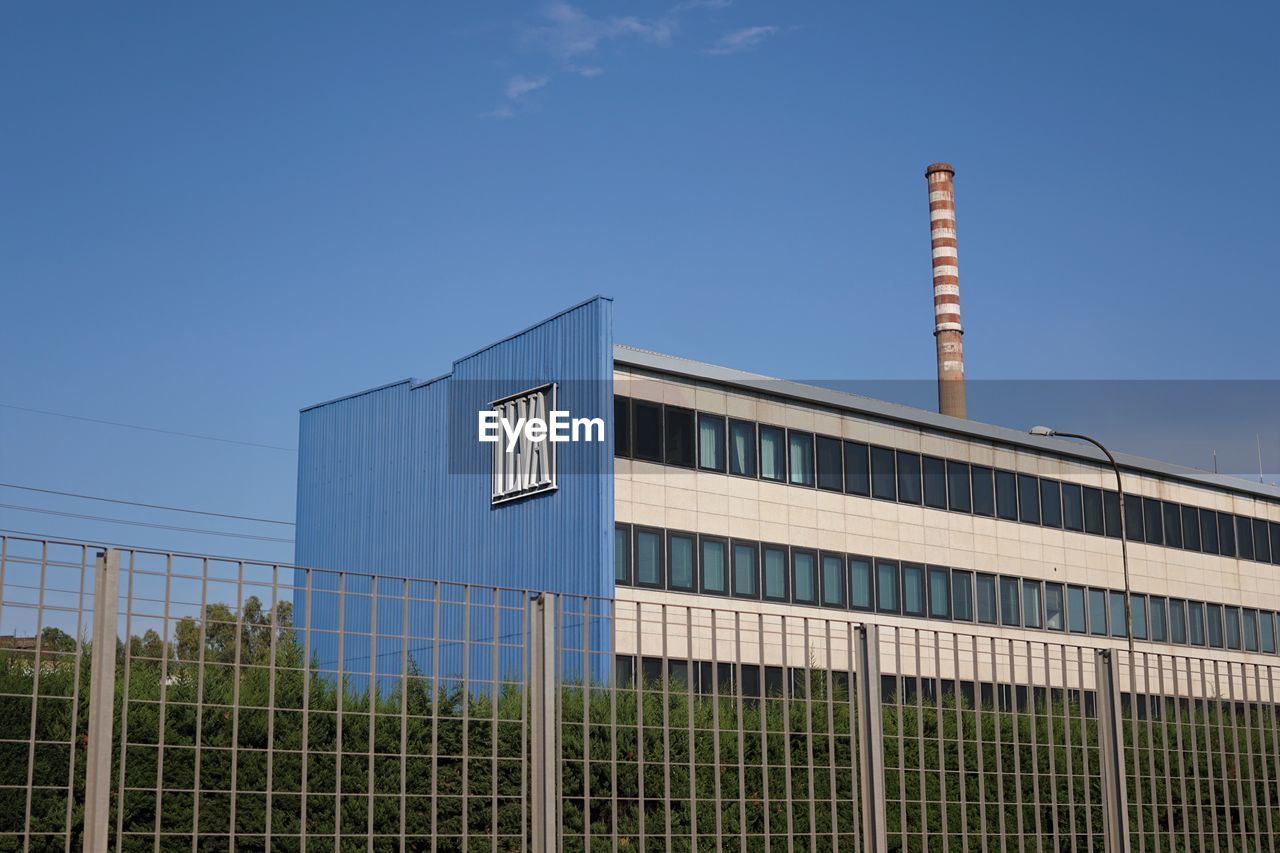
1124,550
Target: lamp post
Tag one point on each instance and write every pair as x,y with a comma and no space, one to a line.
1124,549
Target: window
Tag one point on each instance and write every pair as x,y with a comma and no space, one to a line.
1275,542
883,482
962,595
1009,602
742,448
1244,537
939,593
1007,495
1076,621
800,457
648,558
1111,513
833,580
1195,623
935,482
958,494
1054,606
1250,630
1097,612
678,436
1177,620
913,589
1190,528
681,561
1213,625
886,586
621,426
804,576
1226,535
1117,614
646,431
857,469
711,443
1138,604
1231,615
1031,603
745,584
1029,499
621,554
1051,503
1093,514
830,466
909,477
1153,521
1133,527
860,597
1267,633
773,453
1159,624
986,599
1209,531
1072,507
1172,525
984,493
775,573
715,565
1260,542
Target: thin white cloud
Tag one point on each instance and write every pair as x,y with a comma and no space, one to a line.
520,85
568,32
740,40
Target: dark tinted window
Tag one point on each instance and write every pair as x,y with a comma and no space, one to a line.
715,565
935,482
1007,495
1250,619
1266,632
1098,612
1275,542
1244,537
883,482
1190,528
1195,623
1159,624
774,562
1031,603
986,595
1076,621
958,494
1028,499
622,554
621,426
939,593
682,559
742,448
857,469
962,595
804,576
830,465
1209,531
1093,511
648,556
1213,625
773,453
860,595
886,586
1072,507
984,493
1172,525
711,454
745,574
912,589
800,457
1133,526
1226,535
1153,521
1051,503
908,477
1261,544
1231,618
833,580
1054,606
1111,513
1138,604
646,435
678,435
1009,609
1177,620
1117,614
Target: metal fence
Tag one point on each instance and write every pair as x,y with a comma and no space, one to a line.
247,705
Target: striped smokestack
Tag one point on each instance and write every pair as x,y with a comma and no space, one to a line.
946,289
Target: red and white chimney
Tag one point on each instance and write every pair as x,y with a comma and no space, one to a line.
946,289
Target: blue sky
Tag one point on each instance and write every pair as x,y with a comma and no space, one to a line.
215,214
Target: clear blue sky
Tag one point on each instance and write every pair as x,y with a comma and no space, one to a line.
214,214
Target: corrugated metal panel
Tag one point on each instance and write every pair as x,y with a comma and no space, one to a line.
393,481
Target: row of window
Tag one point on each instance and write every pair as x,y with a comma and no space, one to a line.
716,565
673,435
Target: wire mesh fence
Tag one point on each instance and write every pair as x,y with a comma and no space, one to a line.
246,705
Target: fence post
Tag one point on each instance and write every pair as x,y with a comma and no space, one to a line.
544,725
102,689
870,738
1115,795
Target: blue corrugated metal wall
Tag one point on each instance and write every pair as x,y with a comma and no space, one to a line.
393,481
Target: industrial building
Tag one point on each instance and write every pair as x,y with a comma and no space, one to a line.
784,500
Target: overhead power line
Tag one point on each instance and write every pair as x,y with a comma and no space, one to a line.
149,429
146,505
201,530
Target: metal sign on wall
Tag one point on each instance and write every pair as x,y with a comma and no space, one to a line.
525,464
